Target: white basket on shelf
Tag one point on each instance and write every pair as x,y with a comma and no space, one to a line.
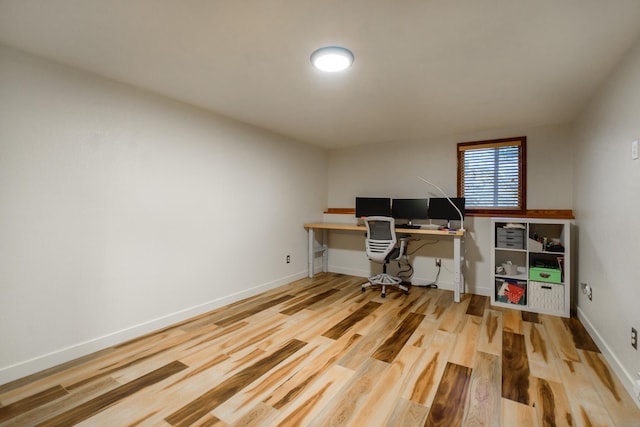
546,296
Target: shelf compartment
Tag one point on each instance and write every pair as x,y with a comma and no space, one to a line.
547,297
546,238
551,263
511,291
515,258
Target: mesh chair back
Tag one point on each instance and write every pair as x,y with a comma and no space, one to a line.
381,237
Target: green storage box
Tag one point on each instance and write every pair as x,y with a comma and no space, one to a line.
541,274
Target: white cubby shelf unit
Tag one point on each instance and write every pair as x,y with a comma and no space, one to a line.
531,264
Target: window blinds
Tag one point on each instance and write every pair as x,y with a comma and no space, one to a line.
491,175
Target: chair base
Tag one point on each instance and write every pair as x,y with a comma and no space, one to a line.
385,280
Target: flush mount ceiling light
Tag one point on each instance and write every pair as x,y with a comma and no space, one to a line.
332,59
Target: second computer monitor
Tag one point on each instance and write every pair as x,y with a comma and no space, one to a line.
410,209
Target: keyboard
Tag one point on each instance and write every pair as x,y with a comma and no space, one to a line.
407,226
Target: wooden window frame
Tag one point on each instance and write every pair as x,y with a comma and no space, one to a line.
520,141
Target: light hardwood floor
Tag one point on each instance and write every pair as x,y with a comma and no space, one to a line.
318,352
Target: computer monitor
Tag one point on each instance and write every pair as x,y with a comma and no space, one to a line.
441,208
373,206
410,209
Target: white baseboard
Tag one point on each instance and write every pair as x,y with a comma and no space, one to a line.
625,377
349,271
49,360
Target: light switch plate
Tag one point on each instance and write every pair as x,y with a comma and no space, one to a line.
634,150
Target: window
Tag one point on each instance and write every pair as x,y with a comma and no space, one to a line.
492,175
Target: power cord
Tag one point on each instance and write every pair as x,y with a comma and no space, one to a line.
434,284
409,269
421,246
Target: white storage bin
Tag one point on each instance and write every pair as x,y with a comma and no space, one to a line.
548,297
534,245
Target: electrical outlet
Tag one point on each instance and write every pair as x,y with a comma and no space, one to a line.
288,259
586,289
438,262
634,338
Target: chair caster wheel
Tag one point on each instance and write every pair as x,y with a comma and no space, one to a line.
383,295
362,290
406,292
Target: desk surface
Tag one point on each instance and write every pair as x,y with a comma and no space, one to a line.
355,227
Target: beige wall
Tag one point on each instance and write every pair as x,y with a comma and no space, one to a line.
123,212
607,202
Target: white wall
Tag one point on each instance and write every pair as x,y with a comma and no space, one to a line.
389,170
122,211
607,202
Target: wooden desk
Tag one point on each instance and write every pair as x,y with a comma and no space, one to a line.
457,236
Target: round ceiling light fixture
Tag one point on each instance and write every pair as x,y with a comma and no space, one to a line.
332,59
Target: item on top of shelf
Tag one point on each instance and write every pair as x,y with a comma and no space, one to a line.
515,225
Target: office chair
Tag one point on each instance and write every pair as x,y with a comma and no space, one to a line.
381,248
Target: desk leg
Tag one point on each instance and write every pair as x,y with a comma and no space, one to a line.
325,251
458,275
312,253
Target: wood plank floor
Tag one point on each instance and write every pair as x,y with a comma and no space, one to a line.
318,352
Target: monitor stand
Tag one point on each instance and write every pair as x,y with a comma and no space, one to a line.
430,226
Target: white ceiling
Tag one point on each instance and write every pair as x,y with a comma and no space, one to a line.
423,68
